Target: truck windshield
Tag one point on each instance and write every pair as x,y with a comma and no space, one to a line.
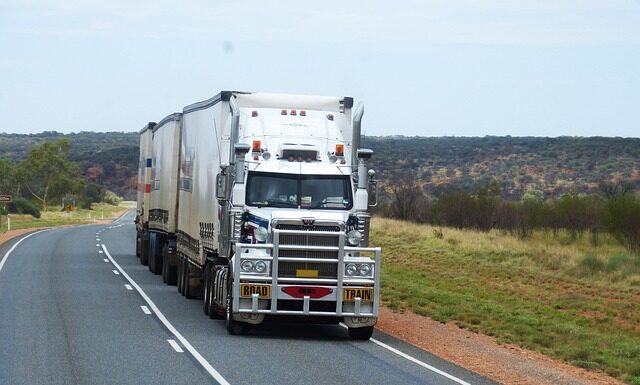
304,191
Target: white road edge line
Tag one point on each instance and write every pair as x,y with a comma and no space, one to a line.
145,309
415,360
8,253
175,346
198,357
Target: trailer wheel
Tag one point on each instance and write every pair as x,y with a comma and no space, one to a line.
138,241
180,267
144,248
190,291
361,333
233,327
168,270
155,262
165,265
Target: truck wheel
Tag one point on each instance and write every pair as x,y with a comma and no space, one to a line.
206,300
179,283
190,291
361,333
151,260
155,263
138,241
165,266
172,274
233,327
169,273
144,251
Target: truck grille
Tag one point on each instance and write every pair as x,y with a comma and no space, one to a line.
325,270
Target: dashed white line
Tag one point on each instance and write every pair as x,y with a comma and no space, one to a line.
98,239
196,355
97,244
128,286
415,360
106,260
145,309
175,346
116,272
100,251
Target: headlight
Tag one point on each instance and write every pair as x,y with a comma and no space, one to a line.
365,270
255,267
261,234
354,237
247,266
359,270
260,267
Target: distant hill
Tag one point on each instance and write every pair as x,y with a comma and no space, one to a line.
552,165
109,159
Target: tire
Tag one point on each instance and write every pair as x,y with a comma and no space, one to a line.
169,273
215,311
138,242
155,263
206,298
233,327
165,265
179,280
144,251
188,290
172,274
362,334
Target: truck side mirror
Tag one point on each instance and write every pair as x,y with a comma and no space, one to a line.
221,186
372,189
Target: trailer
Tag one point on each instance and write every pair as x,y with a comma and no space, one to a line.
163,200
144,191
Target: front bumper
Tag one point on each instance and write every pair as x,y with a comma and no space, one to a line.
364,311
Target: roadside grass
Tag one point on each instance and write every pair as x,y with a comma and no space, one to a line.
56,217
559,296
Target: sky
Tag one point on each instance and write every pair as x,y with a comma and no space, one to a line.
421,67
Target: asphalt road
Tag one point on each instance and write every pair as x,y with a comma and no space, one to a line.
76,307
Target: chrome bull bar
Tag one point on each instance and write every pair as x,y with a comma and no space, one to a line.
276,282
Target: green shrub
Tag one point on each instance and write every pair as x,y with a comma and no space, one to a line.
111,198
23,206
590,264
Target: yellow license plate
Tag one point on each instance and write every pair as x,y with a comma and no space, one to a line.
247,290
302,273
351,293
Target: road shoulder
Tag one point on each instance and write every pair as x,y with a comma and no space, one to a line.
507,364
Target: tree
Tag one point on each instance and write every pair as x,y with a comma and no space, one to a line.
7,177
48,174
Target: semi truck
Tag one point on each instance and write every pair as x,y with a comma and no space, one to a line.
272,198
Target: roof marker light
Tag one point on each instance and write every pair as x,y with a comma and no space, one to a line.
303,113
255,146
330,117
339,149
254,113
294,113
283,112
